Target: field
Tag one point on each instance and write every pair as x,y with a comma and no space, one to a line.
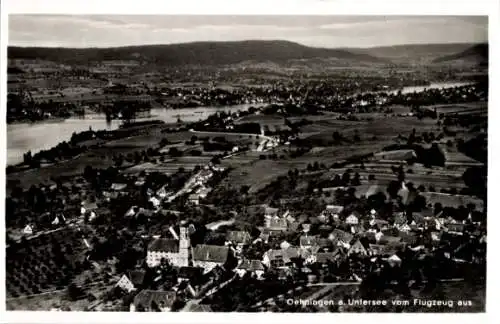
71,167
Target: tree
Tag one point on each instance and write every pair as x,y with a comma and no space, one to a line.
393,188
346,177
475,179
356,137
356,180
74,292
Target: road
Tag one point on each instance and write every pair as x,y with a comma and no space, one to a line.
263,138
215,225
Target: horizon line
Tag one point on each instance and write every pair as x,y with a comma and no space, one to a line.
244,40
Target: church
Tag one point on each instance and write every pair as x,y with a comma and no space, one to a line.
176,252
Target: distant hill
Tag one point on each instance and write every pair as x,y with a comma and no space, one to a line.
198,53
414,54
477,54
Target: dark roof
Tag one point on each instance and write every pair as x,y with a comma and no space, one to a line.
145,298
164,245
342,235
285,254
400,219
384,250
324,243
212,253
192,307
242,237
357,245
251,265
190,272
137,277
333,209
308,240
456,227
408,238
388,239
278,224
271,211
324,257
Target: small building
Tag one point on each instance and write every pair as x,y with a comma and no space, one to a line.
280,258
394,260
255,267
126,284
210,256
118,186
326,257
194,199
153,300
340,237
239,238
195,307
357,248
28,229
331,212
270,212
455,228
155,201
352,220
137,278
308,241
382,250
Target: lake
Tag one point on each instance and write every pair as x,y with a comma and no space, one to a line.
436,85
38,136
24,137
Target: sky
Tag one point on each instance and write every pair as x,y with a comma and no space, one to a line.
318,31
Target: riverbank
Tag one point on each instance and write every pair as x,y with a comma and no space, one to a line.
34,137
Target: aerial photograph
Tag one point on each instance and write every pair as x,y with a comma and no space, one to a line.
256,163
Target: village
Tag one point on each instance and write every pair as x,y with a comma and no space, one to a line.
182,252
247,176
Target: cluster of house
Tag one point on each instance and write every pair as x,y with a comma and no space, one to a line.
363,236
200,190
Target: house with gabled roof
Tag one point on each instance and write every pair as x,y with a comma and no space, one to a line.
352,219
455,228
125,283
383,250
330,212
281,258
153,300
210,256
277,224
239,238
137,278
308,241
196,307
394,260
325,257
358,248
28,229
255,267
340,237
270,212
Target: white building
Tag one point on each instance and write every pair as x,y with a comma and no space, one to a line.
176,252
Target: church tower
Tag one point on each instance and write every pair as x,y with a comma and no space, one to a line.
184,245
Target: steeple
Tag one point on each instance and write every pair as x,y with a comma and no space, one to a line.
184,245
